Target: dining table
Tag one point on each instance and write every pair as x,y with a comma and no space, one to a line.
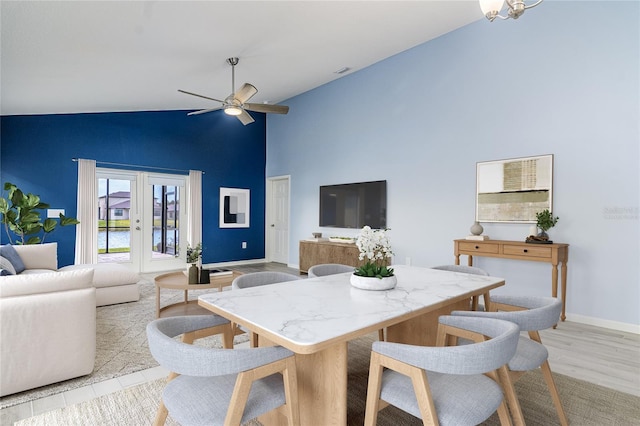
316,318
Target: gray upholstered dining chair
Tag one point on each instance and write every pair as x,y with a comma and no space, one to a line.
465,270
328,269
255,279
452,385
532,314
221,386
462,268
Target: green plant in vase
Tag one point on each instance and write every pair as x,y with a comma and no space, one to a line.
21,216
194,253
545,221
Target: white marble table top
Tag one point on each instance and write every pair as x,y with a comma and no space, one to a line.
302,315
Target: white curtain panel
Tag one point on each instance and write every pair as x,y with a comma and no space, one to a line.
87,230
194,208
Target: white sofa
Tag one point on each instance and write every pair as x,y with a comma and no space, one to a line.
114,283
47,328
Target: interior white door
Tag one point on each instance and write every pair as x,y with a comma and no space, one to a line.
278,220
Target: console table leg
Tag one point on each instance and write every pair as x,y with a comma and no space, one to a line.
564,289
554,285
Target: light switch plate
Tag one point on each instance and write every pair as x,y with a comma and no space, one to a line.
54,213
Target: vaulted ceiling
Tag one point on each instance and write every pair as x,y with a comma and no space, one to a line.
98,56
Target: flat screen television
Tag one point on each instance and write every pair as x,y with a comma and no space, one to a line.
354,205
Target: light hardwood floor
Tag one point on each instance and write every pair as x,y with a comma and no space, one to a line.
603,356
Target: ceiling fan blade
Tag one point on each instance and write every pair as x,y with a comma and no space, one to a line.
203,111
245,118
245,93
200,96
271,109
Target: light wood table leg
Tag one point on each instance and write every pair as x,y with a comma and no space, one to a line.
422,330
564,289
554,285
157,301
322,388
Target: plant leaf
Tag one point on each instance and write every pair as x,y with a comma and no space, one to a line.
33,240
64,220
49,225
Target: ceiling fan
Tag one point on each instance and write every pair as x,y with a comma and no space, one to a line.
236,103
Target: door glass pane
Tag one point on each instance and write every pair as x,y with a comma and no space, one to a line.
114,206
166,208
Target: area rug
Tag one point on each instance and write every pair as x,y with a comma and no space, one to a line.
121,342
585,404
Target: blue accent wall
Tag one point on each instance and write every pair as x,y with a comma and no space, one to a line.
37,151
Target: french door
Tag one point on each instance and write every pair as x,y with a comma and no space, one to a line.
141,218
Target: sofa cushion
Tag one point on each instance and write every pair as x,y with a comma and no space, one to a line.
39,256
6,266
107,274
9,252
20,285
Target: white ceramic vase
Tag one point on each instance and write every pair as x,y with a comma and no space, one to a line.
373,283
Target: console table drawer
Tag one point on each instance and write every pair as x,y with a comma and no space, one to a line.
479,247
533,251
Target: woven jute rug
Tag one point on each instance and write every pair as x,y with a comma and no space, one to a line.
585,403
121,342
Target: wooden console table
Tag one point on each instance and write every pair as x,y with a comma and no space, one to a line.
550,253
320,252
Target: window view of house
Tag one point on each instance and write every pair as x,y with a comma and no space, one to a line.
114,220
114,205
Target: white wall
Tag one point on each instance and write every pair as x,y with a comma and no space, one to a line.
561,80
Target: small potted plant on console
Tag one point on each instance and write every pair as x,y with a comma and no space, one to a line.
545,221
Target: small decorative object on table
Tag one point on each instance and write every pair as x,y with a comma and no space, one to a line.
375,274
546,221
193,256
204,276
476,232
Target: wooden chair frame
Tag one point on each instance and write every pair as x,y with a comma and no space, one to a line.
447,335
512,399
244,380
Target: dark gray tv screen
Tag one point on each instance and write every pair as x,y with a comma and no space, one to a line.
354,205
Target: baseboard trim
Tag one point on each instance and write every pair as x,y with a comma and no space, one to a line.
599,322
234,263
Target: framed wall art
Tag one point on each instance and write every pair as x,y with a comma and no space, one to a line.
234,208
514,190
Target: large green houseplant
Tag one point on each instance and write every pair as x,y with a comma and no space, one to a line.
21,216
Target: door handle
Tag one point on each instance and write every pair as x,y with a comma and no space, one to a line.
273,225
137,228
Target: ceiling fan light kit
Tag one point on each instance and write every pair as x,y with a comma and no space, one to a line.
236,103
491,8
233,110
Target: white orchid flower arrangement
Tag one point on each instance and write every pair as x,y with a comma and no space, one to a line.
375,247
